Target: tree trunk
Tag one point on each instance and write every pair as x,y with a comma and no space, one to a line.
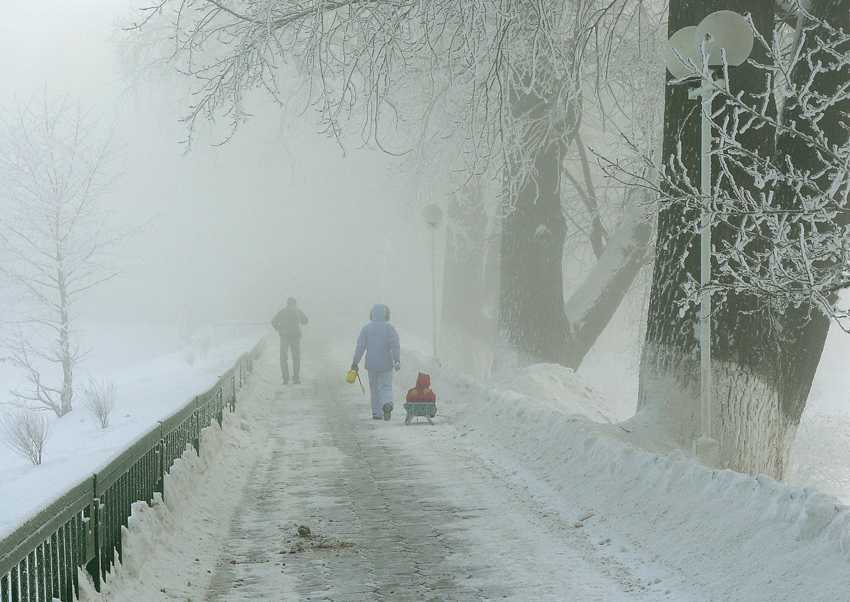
762,362
65,357
463,340
669,392
532,327
803,328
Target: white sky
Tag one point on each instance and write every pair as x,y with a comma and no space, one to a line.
278,211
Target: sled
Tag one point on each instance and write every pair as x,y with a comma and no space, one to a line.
416,409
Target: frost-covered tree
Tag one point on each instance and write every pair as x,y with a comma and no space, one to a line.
55,238
779,238
512,76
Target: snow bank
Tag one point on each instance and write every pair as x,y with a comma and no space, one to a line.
150,527
556,389
152,381
697,520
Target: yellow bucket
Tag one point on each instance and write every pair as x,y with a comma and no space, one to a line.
350,377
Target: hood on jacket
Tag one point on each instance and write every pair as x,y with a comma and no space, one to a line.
380,313
423,380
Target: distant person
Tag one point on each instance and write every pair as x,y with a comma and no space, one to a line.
288,323
379,340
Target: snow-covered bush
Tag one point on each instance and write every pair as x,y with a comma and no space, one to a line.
821,454
25,431
99,400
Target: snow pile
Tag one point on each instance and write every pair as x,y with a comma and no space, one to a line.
556,389
697,520
150,528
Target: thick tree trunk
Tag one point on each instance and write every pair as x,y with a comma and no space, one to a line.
587,312
491,279
803,328
763,362
66,396
744,351
534,324
532,327
463,339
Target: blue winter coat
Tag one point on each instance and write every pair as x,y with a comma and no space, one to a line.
380,341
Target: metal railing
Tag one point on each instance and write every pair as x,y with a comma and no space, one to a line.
41,559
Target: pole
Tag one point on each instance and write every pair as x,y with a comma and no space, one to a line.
705,269
722,39
433,214
706,449
434,287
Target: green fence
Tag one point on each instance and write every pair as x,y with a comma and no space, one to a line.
41,559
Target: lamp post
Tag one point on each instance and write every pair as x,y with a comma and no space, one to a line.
433,215
722,38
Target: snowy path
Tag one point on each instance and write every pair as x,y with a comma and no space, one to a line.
396,512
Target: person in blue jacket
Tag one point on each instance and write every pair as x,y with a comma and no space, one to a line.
379,340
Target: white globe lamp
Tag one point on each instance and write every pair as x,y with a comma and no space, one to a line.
724,31
680,56
433,215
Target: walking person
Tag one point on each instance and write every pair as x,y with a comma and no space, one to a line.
288,323
379,340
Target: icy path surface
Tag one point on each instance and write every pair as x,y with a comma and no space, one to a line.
396,513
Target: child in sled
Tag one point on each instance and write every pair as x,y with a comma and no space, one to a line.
421,400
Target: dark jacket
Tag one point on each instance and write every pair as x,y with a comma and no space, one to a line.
288,323
379,340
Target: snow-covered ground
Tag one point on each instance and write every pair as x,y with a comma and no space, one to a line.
631,524
521,496
153,378
821,454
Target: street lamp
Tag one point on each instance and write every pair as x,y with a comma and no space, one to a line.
433,215
722,38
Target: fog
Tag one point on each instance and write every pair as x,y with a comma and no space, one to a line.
231,230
